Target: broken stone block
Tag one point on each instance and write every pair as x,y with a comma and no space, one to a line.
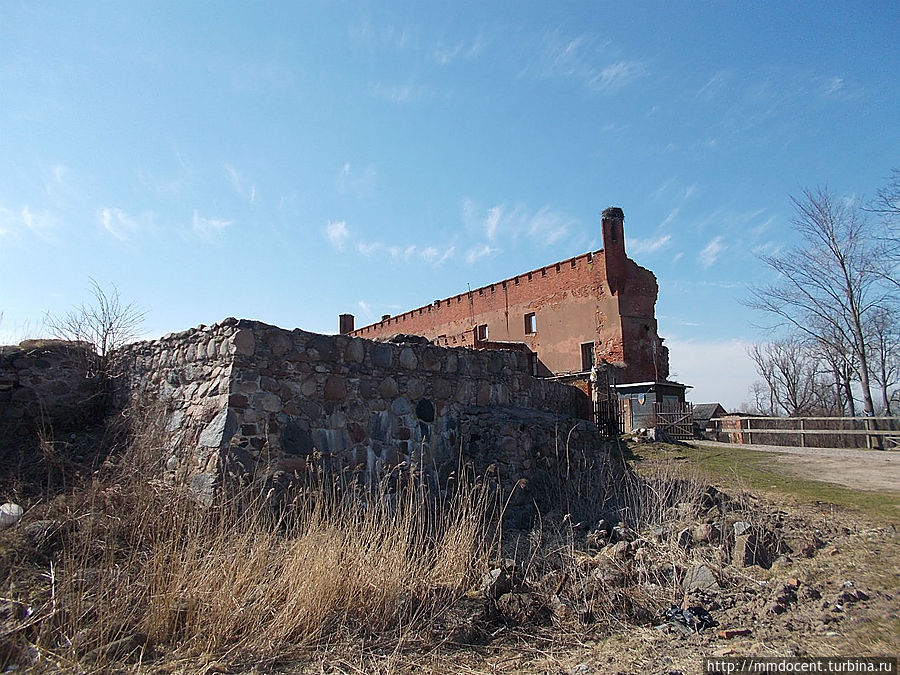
699,578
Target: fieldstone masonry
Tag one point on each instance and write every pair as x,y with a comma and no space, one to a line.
43,387
243,399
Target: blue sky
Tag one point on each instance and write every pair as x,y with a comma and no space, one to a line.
292,161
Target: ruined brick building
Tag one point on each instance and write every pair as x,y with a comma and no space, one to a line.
593,309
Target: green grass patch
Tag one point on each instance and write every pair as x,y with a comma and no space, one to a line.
757,470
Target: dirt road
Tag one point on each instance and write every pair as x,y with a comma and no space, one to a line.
860,469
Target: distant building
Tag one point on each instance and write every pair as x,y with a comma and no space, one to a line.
703,413
593,310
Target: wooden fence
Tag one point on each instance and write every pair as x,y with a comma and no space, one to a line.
821,432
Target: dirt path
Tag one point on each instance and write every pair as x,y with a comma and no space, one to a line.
859,469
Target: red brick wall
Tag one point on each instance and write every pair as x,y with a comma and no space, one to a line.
597,297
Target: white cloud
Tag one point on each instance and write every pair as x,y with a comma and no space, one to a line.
429,254
719,371
638,246
711,252
669,218
118,223
478,252
359,182
617,75
714,85
833,85
408,92
208,226
42,224
337,234
548,226
444,55
492,221
366,309
545,225
237,184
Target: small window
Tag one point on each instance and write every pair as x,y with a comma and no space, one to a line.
481,332
587,356
530,324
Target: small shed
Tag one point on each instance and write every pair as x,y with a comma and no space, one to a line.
640,403
703,413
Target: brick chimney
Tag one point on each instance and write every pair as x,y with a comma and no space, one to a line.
613,231
346,323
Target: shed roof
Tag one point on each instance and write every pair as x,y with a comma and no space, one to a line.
706,411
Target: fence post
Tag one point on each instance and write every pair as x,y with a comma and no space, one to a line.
802,432
749,433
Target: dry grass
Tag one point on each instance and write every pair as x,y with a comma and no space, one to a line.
141,563
142,571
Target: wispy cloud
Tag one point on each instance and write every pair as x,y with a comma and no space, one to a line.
711,252
337,233
244,191
582,59
41,223
366,309
714,85
617,75
387,36
360,182
836,87
672,215
208,226
118,223
546,225
432,254
639,246
492,221
444,54
476,253
409,253
408,92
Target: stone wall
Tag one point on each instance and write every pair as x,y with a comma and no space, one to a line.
245,400
44,387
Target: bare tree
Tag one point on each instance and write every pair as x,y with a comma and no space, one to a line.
883,332
838,359
791,378
103,325
831,280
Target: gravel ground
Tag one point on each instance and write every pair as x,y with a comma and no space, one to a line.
860,469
